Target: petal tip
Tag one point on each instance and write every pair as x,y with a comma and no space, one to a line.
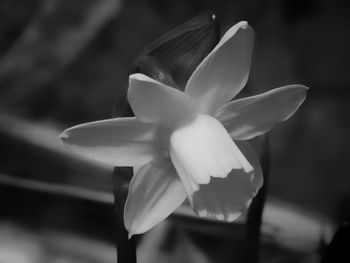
135,79
137,76
303,87
248,168
306,89
130,234
300,87
132,229
64,136
140,77
231,217
202,213
220,217
302,90
243,24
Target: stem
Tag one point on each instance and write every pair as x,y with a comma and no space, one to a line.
126,248
338,249
254,217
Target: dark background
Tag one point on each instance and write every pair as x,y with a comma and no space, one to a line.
65,62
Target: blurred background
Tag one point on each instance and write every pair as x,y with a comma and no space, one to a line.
65,62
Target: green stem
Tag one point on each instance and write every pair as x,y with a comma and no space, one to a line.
126,248
254,217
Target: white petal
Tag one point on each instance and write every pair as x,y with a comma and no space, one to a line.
252,116
155,102
203,149
117,142
227,198
224,72
155,192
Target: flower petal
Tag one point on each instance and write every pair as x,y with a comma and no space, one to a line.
203,149
227,198
157,103
253,116
173,57
224,72
117,142
155,192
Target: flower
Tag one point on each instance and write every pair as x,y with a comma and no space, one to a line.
190,144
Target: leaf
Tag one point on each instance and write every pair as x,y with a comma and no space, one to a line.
173,57
48,45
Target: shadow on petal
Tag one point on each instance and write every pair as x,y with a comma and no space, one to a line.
226,198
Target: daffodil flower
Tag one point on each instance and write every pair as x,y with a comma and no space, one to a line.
190,144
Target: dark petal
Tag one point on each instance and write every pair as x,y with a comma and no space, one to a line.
153,67
173,57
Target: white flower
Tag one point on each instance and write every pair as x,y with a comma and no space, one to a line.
190,144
